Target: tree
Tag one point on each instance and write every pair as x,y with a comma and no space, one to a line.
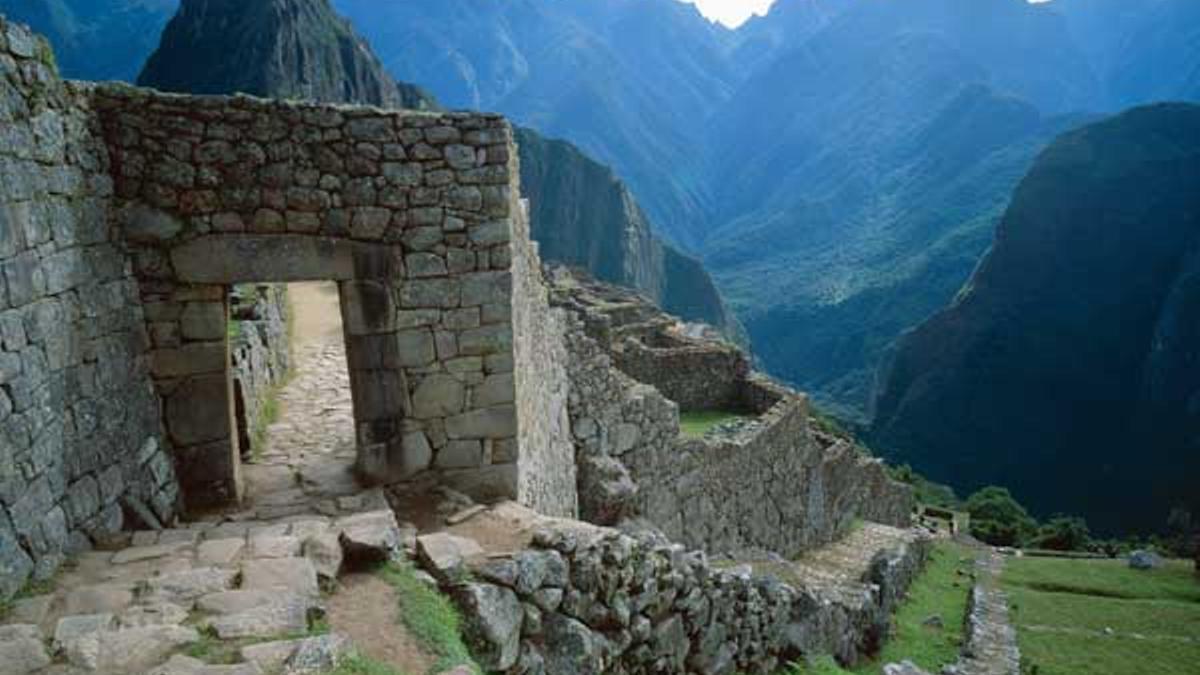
998,519
1064,533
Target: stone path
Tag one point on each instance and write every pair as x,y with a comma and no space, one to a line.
309,457
248,591
991,642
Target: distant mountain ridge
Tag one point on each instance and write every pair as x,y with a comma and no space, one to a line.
1069,368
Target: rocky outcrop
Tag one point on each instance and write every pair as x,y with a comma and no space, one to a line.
584,216
1072,350
298,49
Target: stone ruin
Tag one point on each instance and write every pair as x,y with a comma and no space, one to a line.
127,215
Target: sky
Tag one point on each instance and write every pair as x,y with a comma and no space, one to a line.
732,12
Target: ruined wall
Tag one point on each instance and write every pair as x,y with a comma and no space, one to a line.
768,483
409,212
80,432
602,602
547,479
707,378
260,355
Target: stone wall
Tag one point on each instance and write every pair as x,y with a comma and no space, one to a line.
547,474
411,213
80,433
769,483
261,355
583,601
696,377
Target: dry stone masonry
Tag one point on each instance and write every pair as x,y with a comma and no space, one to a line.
80,433
128,214
772,482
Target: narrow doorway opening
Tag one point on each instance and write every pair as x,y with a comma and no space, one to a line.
294,417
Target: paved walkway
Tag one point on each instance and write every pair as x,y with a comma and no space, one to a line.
308,462
991,644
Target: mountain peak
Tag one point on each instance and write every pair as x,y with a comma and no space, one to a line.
283,48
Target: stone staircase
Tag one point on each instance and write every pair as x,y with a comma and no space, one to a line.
249,587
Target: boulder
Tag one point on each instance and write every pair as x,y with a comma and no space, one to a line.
572,649
1145,560
185,665
493,623
133,650
315,654
446,555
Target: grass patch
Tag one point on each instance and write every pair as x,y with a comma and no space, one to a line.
430,617
1112,603
31,589
941,590
357,664
695,424
268,414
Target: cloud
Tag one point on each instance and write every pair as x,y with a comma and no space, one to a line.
732,13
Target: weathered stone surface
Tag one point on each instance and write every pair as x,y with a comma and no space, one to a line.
286,614
186,587
102,599
234,602
72,628
493,624
155,614
219,552
22,650
131,650
296,575
370,537
445,555
185,665
325,553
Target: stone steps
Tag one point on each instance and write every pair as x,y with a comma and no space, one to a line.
134,609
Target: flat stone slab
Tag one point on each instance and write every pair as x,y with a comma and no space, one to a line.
268,546
289,574
139,553
71,628
155,614
321,652
22,650
185,665
99,599
234,602
219,552
133,650
447,555
185,587
288,614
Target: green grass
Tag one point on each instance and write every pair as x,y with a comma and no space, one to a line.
357,664
940,590
31,589
695,424
1161,605
430,617
268,414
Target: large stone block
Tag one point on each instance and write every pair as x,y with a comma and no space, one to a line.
498,422
367,307
198,410
438,396
204,321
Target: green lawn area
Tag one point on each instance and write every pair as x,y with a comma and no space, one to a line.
699,422
1114,601
941,591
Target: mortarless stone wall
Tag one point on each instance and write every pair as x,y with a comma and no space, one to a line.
127,214
80,433
770,483
260,354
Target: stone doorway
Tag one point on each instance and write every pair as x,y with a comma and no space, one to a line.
300,446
